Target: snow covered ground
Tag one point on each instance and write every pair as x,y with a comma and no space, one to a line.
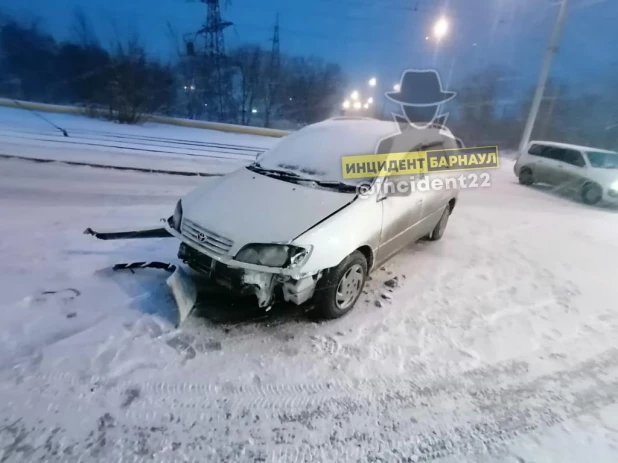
496,344
149,145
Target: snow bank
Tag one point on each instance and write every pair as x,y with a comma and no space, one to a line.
157,146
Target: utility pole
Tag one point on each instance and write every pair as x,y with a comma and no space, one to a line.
545,69
550,113
274,72
215,52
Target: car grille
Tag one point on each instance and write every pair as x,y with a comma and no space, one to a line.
228,276
205,239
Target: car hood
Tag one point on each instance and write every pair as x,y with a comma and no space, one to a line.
247,207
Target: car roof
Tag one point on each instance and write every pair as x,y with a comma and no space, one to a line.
569,146
362,123
368,125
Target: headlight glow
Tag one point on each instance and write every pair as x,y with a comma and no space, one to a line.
273,255
614,186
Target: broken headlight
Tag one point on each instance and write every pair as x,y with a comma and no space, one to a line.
273,255
175,219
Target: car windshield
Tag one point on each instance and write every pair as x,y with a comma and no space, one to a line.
603,159
316,152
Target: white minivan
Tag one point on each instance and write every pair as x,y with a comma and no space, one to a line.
291,224
591,172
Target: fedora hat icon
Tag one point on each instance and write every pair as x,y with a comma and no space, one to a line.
420,88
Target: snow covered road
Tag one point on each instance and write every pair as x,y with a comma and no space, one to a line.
498,343
26,134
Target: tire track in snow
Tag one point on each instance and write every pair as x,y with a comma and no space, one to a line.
484,419
272,396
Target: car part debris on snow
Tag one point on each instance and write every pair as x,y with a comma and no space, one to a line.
158,232
182,287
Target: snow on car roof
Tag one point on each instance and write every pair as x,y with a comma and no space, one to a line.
569,146
316,150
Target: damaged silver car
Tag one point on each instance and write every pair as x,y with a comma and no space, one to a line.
290,225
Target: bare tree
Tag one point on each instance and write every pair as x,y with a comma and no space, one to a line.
312,89
248,60
82,29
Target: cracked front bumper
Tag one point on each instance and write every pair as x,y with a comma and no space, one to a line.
296,274
249,282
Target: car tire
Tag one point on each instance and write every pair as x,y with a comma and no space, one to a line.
591,193
440,227
525,176
340,287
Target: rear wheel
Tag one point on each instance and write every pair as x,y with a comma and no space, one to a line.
339,289
592,193
525,176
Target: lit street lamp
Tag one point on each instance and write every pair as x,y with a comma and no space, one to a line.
346,104
440,28
355,96
372,82
370,100
357,105
396,87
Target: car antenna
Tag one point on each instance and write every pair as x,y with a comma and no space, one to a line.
64,132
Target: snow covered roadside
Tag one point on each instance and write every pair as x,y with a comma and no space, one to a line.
165,147
496,344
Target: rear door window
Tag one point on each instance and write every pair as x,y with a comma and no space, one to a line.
574,158
553,153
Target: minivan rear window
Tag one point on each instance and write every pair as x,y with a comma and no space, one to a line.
573,157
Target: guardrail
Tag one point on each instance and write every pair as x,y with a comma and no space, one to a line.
53,108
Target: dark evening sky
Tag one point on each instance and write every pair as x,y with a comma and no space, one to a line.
367,38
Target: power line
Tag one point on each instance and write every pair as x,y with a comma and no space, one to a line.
215,50
274,72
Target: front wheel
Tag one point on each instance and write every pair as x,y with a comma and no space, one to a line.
591,193
339,289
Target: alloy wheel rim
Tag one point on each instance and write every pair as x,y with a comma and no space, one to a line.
592,194
349,287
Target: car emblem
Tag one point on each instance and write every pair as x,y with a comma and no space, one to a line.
201,237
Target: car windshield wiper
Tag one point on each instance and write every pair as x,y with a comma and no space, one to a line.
296,178
273,172
339,186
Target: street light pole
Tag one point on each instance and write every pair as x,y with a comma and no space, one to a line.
540,88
